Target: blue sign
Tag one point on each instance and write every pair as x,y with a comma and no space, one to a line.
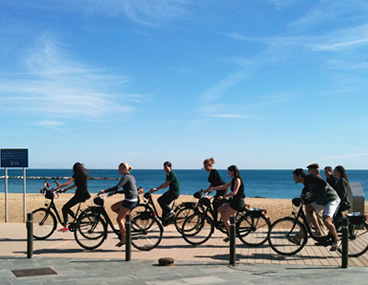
14,158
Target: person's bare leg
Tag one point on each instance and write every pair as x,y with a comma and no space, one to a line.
120,219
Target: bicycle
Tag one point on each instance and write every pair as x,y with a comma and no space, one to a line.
289,235
45,219
181,212
92,228
252,224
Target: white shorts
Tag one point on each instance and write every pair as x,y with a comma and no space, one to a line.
329,209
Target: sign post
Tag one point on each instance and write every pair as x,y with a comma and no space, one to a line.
16,158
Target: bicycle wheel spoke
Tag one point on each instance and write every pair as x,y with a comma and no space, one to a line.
90,231
44,223
197,229
287,237
358,239
146,233
181,215
253,230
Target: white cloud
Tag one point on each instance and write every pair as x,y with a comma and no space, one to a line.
146,12
54,84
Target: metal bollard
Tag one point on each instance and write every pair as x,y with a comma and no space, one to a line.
29,235
345,238
128,238
232,240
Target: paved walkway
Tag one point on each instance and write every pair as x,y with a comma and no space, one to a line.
193,265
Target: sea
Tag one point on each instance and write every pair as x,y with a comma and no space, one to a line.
258,183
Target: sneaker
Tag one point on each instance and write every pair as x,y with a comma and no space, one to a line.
169,215
63,230
335,246
294,241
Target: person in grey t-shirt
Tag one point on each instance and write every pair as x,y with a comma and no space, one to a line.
131,200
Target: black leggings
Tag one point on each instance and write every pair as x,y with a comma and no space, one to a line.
164,200
66,208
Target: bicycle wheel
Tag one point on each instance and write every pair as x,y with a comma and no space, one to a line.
253,230
44,223
181,215
197,229
358,239
146,232
91,230
287,236
141,208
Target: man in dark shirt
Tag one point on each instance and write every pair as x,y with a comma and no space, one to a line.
323,197
330,178
173,193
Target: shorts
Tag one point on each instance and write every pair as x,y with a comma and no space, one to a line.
329,209
129,205
237,204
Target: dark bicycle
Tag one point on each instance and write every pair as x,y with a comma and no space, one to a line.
92,228
289,235
252,226
181,212
45,219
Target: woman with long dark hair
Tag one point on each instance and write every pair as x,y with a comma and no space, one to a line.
342,187
82,194
236,201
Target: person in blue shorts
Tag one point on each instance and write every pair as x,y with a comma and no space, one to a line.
122,208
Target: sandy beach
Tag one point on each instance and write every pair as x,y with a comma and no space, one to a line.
276,208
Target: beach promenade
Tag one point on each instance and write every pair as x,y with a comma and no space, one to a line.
207,264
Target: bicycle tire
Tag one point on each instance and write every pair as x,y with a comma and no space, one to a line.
253,230
147,232
197,229
358,239
141,208
283,231
91,230
44,223
181,215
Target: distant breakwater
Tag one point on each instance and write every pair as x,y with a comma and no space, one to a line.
56,178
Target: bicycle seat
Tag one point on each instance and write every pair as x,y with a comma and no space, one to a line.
297,202
197,194
344,206
98,201
205,201
147,195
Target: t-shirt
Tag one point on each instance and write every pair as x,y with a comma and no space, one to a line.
240,194
81,182
215,180
174,185
321,191
127,182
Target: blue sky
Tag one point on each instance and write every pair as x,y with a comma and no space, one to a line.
263,84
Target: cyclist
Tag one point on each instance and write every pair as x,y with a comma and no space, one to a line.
122,208
323,197
82,194
236,201
173,193
342,188
215,180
